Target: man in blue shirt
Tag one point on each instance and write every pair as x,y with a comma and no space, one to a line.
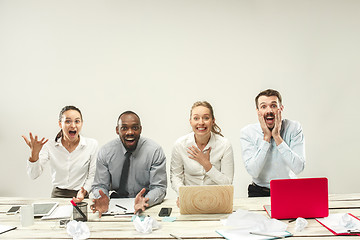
130,166
274,147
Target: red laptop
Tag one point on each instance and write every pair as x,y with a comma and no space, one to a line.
302,197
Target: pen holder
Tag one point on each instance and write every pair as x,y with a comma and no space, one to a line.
82,206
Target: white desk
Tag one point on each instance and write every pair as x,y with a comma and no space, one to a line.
185,226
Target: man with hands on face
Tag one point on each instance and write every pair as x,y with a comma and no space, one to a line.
129,166
273,148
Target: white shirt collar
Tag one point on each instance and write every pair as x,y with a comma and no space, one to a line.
211,142
82,142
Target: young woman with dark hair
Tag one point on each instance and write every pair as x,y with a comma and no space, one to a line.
72,157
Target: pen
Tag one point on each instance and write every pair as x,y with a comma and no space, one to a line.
174,236
121,207
138,212
78,209
266,234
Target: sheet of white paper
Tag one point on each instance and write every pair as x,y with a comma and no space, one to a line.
127,203
61,212
250,221
333,221
236,234
5,228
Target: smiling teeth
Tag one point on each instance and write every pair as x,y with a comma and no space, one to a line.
201,129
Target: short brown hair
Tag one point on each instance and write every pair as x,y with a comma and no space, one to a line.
268,93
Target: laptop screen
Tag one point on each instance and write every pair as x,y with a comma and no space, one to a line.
44,209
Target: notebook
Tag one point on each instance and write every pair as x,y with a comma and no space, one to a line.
120,206
303,197
206,199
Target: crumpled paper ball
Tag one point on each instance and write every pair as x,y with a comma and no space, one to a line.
147,225
300,224
78,230
347,221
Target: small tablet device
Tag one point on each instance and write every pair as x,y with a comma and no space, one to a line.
44,209
13,210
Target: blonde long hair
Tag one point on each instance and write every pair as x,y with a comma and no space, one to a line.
215,128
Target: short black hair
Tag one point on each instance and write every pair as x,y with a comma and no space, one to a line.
128,112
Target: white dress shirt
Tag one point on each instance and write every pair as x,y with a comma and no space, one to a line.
265,161
68,170
186,171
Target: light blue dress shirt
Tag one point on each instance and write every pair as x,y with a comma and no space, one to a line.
265,161
147,170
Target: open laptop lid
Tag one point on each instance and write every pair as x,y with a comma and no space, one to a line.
206,199
44,209
303,197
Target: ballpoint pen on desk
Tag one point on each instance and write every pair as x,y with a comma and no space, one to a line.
121,207
355,231
78,209
267,234
174,236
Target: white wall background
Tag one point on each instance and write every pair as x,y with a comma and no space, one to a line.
158,57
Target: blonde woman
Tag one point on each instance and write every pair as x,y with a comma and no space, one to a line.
204,156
